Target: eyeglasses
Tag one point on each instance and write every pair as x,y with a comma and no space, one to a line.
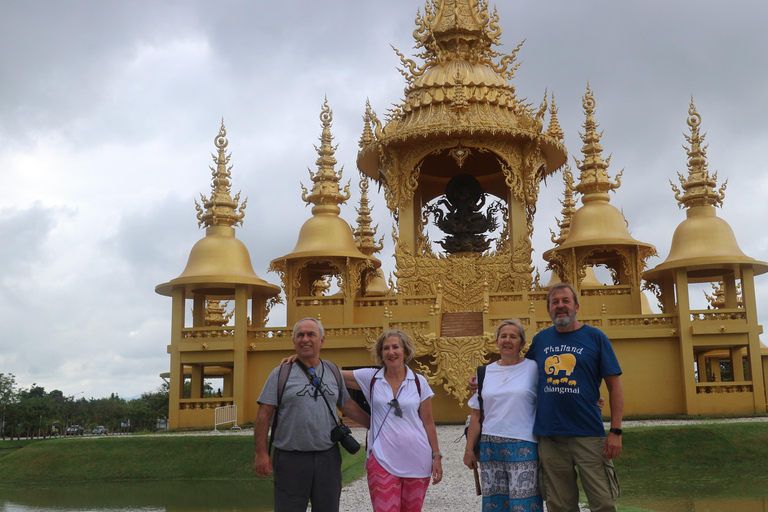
398,411
313,378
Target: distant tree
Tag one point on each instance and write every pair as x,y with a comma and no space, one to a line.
8,396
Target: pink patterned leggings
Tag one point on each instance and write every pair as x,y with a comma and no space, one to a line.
391,493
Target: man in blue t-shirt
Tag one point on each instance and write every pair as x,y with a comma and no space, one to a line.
573,360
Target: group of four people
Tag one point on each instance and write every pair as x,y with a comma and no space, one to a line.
537,419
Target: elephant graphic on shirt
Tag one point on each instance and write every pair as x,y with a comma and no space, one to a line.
560,362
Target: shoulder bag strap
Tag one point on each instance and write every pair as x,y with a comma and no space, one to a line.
282,379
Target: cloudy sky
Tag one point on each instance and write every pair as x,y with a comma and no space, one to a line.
108,112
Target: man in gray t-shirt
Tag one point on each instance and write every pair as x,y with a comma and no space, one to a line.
306,463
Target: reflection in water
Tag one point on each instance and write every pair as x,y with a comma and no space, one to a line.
703,490
186,496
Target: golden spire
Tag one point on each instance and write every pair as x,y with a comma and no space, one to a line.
699,188
220,208
367,136
219,261
703,243
554,129
326,194
594,177
365,234
325,233
569,207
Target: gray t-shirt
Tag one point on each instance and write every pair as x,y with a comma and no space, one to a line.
304,422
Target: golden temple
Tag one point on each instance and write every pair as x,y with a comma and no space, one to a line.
461,136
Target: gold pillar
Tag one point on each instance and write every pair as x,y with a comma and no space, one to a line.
737,364
198,311
686,341
755,362
196,382
701,364
176,386
239,359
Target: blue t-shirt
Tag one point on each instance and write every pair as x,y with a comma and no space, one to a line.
572,366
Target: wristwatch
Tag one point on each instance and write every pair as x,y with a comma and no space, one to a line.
616,431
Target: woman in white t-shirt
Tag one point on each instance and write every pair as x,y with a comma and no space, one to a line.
402,445
508,458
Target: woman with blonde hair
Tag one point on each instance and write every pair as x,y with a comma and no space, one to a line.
402,450
505,407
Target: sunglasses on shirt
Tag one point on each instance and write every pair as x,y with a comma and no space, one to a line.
398,411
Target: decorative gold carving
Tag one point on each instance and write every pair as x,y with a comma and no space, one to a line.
460,154
216,312
719,315
452,360
196,332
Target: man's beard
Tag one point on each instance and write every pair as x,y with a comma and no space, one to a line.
563,321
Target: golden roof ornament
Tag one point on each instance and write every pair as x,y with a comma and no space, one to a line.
699,187
554,129
367,136
365,234
220,208
569,207
594,176
326,195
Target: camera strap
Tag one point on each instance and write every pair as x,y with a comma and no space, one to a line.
318,389
282,380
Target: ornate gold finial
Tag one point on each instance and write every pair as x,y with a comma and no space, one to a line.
365,234
554,129
699,187
220,208
326,194
367,136
216,313
569,207
594,178
453,30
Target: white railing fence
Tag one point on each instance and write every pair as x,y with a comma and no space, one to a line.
223,415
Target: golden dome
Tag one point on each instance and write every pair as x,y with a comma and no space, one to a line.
598,222
325,234
705,245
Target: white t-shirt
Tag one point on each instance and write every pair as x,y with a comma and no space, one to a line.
509,400
399,444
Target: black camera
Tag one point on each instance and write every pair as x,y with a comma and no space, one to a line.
342,435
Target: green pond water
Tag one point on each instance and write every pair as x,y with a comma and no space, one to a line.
704,490
709,490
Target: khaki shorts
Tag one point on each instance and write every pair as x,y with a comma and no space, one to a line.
559,457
